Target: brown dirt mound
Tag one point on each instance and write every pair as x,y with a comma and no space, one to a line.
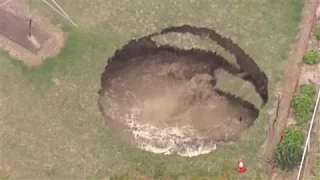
164,99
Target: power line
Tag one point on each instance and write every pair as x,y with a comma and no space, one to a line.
60,9
61,14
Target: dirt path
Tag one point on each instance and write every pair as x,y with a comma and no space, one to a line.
289,84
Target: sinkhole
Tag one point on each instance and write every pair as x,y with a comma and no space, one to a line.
165,99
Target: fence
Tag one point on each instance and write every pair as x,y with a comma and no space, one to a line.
306,150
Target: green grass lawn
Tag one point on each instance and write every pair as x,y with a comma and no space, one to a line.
50,131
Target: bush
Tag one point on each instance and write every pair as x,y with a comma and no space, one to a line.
308,89
317,33
302,103
289,151
311,57
293,135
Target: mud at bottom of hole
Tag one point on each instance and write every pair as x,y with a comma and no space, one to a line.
184,140
187,117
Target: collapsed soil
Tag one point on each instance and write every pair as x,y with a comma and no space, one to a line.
166,93
163,99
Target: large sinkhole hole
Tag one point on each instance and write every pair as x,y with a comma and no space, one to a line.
169,100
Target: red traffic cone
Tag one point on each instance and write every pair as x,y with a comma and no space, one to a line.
241,167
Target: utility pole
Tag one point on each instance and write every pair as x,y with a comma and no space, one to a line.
30,17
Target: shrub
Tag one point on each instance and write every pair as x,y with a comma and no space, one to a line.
289,151
293,135
308,89
317,33
311,57
302,103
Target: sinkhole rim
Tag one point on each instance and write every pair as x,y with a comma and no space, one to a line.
146,47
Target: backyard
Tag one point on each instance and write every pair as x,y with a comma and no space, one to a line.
50,123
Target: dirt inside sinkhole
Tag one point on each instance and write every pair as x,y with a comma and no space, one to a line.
163,99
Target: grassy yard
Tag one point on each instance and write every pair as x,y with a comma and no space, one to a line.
54,130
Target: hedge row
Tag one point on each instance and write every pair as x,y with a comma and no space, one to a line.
312,56
302,103
289,151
